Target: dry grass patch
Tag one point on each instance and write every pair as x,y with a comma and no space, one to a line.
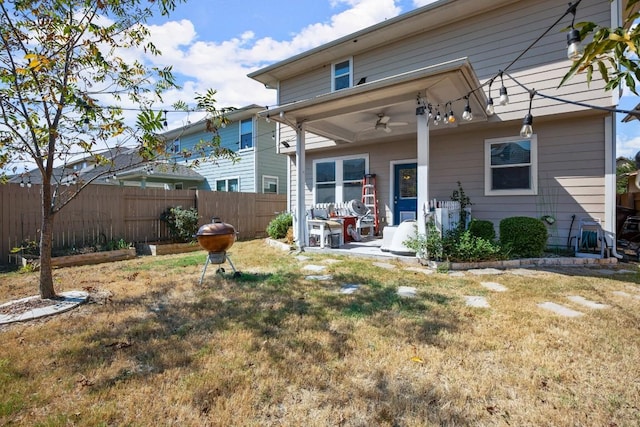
274,348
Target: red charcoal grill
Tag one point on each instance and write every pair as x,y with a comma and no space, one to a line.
216,238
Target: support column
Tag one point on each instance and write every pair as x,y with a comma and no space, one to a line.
423,170
301,224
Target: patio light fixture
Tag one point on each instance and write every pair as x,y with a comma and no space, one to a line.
451,118
527,123
574,48
490,110
165,123
467,114
504,97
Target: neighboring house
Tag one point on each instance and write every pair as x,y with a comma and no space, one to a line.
259,169
129,169
368,103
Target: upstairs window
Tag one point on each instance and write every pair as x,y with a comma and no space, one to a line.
511,166
341,75
246,134
175,146
230,185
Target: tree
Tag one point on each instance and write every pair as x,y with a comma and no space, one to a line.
613,51
62,70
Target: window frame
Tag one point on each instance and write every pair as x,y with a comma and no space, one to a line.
240,147
273,178
339,171
176,145
226,184
533,164
349,74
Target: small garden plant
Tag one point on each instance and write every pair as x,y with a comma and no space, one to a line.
182,223
279,226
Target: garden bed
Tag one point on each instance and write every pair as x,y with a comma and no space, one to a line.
166,248
78,259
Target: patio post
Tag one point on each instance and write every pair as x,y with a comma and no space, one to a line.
423,170
301,209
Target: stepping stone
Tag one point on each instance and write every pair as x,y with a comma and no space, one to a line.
587,303
385,265
476,301
493,286
67,301
420,270
456,274
625,294
320,278
312,267
559,309
407,291
485,271
349,288
624,271
331,261
302,258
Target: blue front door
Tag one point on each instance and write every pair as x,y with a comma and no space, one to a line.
405,192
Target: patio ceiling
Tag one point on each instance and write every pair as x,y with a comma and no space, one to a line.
350,115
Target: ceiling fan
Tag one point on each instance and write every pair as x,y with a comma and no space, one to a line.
385,124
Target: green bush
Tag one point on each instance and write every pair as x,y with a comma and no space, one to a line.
463,246
483,229
523,237
277,228
182,223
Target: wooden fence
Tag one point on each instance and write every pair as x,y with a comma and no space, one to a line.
102,213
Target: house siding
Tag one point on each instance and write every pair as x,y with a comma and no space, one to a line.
490,41
269,162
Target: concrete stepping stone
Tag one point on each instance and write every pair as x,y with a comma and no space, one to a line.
420,270
349,288
312,267
607,272
456,274
493,286
407,291
559,309
67,301
484,271
587,303
476,301
331,261
385,265
320,278
524,272
626,295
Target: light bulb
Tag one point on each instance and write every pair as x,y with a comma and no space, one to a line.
452,118
490,110
467,114
574,48
527,129
504,97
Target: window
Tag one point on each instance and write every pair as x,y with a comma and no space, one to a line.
175,146
339,179
341,77
246,134
270,184
229,185
511,166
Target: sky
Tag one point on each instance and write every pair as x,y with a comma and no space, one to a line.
216,43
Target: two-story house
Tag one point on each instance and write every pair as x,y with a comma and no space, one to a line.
456,91
259,167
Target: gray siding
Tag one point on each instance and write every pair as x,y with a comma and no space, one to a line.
268,161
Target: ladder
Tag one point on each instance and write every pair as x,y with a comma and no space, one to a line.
370,198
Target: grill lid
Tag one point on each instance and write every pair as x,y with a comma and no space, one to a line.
216,228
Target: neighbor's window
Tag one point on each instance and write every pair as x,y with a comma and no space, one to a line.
246,134
339,179
229,185
175,147
511,166
341,75
270,184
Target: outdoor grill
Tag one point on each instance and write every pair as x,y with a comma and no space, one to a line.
216,238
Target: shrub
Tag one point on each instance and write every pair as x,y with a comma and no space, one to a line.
483,229
523,237
463,246
182,223
277,228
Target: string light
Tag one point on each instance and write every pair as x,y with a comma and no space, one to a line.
504,97
574,48
527,123
490,110
467,114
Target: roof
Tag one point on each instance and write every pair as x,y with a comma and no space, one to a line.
632,116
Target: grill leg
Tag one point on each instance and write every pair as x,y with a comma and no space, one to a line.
204,270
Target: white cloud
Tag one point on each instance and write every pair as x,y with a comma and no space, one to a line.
224,65
628,145
420,3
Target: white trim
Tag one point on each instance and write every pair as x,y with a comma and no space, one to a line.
534,167
339,194
392,183
277,179
333,73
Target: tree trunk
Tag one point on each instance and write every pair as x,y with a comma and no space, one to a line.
46,242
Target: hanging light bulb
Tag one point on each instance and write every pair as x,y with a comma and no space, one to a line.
451,118
165,123
29,181
504,97
85,124
437,119
430,111
574,48
467,114
527,123
490,110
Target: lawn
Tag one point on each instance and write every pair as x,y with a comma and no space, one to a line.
276,347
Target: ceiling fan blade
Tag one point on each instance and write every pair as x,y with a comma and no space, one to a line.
384,119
